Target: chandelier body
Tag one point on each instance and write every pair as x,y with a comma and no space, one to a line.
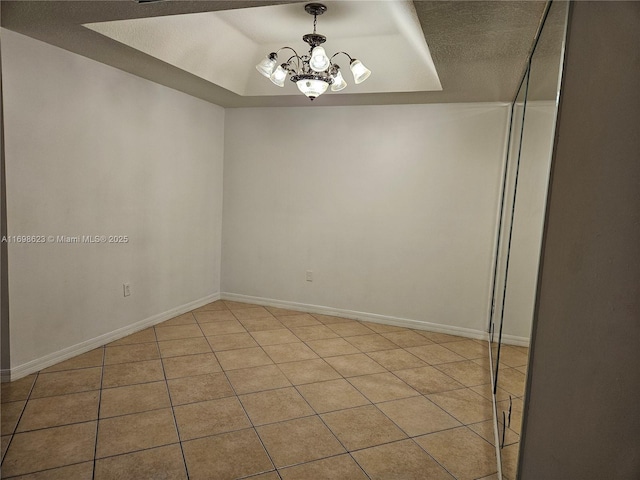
314,72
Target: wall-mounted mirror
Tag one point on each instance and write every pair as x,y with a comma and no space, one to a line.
508,226
521,222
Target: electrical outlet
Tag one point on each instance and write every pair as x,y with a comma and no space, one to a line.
127,289
309,276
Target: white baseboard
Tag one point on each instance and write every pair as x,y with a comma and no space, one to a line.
368,317
82,347
515,340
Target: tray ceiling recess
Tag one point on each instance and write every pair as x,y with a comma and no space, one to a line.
223,47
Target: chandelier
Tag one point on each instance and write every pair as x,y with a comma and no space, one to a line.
312,73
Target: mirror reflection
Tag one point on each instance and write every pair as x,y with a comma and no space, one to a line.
522,214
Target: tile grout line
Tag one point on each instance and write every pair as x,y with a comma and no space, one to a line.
253,427
15,428
95,447
44,470
433,458
173,412
346,450
99,390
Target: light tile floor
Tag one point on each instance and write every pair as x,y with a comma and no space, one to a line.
234,390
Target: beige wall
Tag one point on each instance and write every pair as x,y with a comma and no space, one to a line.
91,150
393,208
583,420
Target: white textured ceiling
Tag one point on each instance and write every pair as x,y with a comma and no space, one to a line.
223,47
479,48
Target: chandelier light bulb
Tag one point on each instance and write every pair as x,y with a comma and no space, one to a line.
319,61
267,64
279,76
338,82
360,72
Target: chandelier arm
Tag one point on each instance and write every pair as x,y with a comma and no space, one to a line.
291,70
345,53
288,48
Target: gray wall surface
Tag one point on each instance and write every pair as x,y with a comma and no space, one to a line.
91,150
583,419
